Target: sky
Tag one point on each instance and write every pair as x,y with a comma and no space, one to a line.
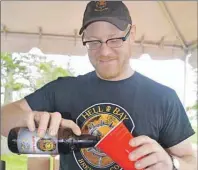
167,72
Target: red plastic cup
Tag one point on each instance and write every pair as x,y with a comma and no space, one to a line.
116,145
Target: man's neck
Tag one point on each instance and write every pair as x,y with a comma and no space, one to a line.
124,75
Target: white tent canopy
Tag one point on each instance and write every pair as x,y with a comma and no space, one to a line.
165,30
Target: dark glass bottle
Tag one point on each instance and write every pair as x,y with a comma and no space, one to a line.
22,141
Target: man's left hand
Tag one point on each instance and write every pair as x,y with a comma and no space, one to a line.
149,155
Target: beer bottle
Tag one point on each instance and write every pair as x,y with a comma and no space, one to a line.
23,141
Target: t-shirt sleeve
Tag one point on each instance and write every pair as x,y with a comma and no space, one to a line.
176,125
43,99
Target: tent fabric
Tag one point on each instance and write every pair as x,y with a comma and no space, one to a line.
165,30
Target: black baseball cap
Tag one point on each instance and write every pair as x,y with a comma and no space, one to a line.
114,12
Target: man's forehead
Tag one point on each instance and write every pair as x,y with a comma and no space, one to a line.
103,28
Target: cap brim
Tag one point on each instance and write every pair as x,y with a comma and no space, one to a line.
120,24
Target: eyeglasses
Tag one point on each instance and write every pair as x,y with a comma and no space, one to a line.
113,42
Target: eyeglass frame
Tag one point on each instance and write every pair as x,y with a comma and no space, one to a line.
101,42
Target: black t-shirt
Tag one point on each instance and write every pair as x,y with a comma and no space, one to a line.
147,108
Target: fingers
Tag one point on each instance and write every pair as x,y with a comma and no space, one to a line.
43,123
70,124
143,151
148,161
148,154
140,140
30,121
155,166
57,121
54,123
52,120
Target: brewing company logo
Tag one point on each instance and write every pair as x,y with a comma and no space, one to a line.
98,120
46,145
101,5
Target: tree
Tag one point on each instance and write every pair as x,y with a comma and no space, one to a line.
48,71
11,71
25,73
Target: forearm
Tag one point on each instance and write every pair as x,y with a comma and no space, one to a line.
187,162
12,115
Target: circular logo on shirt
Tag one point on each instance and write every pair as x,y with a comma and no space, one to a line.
98,120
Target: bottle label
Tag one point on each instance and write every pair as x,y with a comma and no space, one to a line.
30,143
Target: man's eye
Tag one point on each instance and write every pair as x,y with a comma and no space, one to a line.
114,41
94,42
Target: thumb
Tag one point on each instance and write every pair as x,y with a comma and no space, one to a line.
65,123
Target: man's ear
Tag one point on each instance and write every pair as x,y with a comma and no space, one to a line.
133,33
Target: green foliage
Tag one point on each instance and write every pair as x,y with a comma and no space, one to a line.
17,86
49,72
194,107
10,63
14,86
17,73
12,70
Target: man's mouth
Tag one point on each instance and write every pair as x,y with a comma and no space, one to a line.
106,61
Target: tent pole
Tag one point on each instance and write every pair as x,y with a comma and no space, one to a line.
186,59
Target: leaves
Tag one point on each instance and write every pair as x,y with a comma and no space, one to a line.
17,86
27,72
194,107
49,72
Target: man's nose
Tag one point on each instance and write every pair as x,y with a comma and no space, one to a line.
105,50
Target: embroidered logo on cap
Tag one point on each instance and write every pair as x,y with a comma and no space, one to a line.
101,5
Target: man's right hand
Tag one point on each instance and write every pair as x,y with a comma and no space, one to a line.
46,120
19,114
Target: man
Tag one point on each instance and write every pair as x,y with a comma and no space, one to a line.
114,92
